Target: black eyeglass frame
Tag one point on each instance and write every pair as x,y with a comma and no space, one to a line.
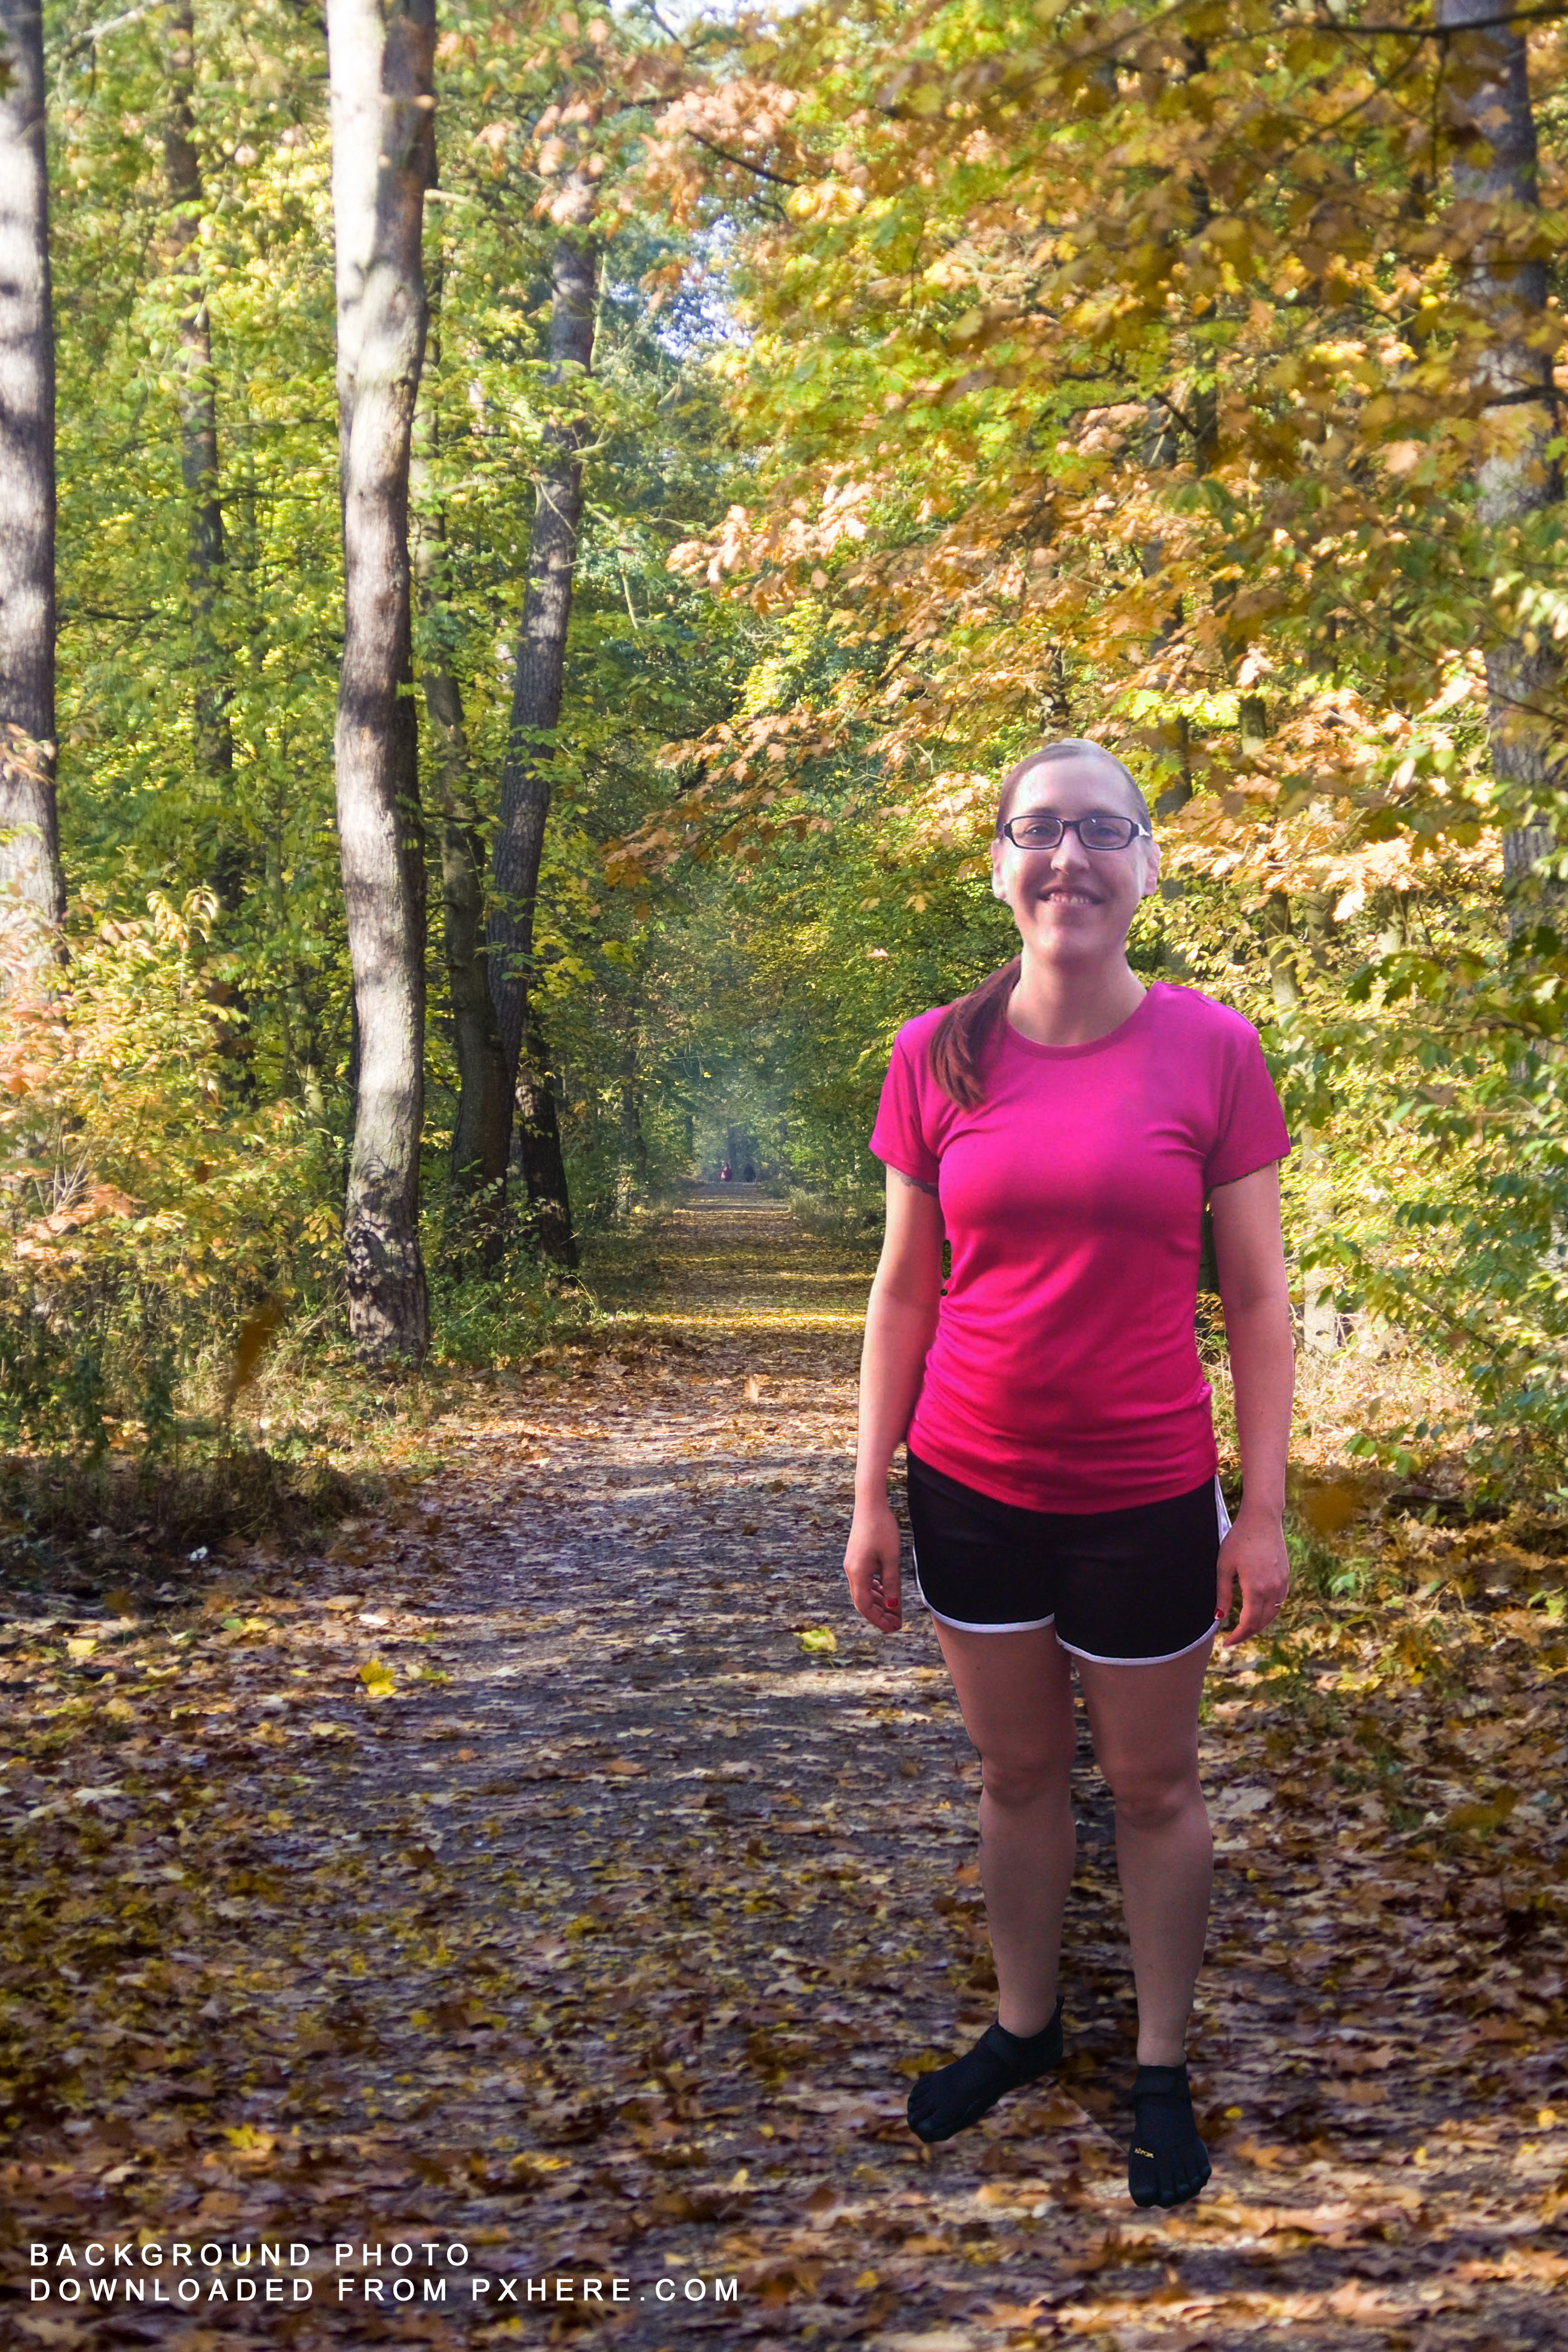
1075,825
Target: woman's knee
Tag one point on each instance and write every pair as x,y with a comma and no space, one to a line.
1015,1781
1151,1798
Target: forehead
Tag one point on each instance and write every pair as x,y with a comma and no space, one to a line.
1072,788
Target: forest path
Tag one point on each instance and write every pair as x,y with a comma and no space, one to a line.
535,1887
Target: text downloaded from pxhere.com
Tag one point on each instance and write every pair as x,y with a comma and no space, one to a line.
191,2272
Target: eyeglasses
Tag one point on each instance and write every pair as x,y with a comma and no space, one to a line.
1043,831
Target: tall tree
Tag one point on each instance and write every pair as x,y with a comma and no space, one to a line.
29,831
535,714
1497,186
383,111
196,395
482,1128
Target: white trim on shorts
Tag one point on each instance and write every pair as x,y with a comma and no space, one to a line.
1024,1625
1163,1660
1033,1624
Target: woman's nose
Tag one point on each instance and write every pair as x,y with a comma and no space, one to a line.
1070,856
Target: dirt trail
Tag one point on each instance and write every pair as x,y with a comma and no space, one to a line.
533,1876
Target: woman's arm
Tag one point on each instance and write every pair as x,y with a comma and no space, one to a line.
1255,1290
900,1317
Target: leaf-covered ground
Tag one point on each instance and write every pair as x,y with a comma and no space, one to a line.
535,1875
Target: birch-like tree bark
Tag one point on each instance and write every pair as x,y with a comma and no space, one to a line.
196,398
535,714
32,888
382,110
1497,192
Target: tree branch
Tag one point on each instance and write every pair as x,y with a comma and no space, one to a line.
88,39
1184,421
760,170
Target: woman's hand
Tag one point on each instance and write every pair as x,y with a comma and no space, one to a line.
871,1564
1254,1556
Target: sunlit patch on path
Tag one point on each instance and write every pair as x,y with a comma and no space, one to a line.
560,1869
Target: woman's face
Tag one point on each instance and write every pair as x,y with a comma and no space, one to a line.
1073,904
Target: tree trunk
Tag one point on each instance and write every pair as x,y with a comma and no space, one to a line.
1320,1313
30,877
1279,934
196,398
535,713
634,1142
1055,705
1161,451
481,1133
383,148
537,1138
1487,83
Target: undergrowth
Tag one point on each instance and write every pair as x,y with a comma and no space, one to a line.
848,1219
86,1528
270,1439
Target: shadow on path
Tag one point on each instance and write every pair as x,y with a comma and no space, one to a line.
523,1881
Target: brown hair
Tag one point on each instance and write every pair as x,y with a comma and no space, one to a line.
967,1036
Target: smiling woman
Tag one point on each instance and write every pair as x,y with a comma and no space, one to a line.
1062,1128
1082,785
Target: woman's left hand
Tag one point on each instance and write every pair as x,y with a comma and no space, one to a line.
1254,1556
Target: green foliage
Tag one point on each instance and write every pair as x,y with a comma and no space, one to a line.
147,1205
1080,399
501,1318
156,1292
892,471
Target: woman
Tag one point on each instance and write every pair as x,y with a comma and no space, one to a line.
1062,1128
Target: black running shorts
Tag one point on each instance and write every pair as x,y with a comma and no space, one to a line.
1123,1588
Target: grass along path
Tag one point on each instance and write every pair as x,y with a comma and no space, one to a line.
558,1869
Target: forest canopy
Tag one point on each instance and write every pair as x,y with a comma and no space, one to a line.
532,535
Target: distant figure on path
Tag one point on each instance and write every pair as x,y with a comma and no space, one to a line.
751,1173
1062,1127
724,1173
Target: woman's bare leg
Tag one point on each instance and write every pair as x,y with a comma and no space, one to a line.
1015,1693
1145,1724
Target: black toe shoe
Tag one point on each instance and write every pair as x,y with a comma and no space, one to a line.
954,2096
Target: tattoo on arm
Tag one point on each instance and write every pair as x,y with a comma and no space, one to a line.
915,1185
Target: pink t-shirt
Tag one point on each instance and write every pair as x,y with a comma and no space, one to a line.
1064,1375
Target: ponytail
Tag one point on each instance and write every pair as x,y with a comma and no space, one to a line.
967,1035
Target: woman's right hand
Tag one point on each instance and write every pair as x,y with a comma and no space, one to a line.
871,1564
